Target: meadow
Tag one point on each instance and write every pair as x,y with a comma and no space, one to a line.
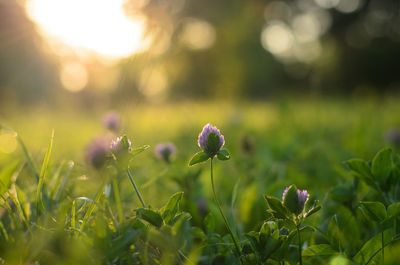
57,208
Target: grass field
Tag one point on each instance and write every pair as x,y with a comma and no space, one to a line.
272,145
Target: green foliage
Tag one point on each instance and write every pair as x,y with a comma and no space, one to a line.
223,155
151,216
291,200
81,221
382,165
198,158
375,211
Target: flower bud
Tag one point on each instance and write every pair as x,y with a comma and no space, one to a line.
210,140
97,152
294,199
165,151
112,121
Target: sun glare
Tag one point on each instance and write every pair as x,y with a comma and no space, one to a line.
97,25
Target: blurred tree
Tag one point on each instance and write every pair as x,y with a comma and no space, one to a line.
26,73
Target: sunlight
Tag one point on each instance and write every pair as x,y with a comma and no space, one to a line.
100,26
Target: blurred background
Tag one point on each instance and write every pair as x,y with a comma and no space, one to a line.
90,53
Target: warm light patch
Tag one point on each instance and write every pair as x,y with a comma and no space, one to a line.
153,82
198,34
97,25
8,143
73,76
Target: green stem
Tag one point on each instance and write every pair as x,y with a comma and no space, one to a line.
92,206
383,249
395,238
136,189
298,235
223,215
118,201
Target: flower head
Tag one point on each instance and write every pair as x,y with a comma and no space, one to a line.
97,152
112,121
393,136
210,146
120,144
284,193
165,150
295,199
302,196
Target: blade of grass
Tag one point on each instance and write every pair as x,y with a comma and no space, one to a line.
21,211
118,201
73,222
54,182
43,172
92,206
64,181
4,231
10,210
27,156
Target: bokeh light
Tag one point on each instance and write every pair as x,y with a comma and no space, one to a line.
198,34
153,83
348,6
100,26
277,38
73,76
8,143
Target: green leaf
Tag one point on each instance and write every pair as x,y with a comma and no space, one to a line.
291,200
322,250
43,172
343,231
370,247
125,143
265,229
382,164
198,158
172,207
223,155
209,223
212,144
394,210
313,210
375,211
341,194
6,175
319,254
150,216
197,233
138,150
276,205
362,170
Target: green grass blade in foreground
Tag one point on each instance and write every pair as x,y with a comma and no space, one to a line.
27,157
91,207
118,201
43,172
64,181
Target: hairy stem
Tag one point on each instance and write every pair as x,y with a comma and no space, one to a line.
298,235
136,189
118,201
223,215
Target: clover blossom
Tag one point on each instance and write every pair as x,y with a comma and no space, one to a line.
112,121
213,146
120,144
295,199
393,136
97,152
302,196
164,151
